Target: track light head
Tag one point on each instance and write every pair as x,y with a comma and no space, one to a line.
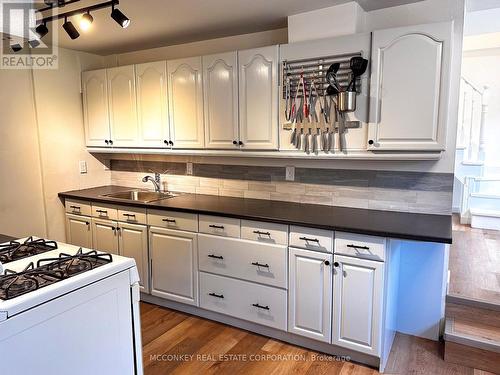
70,29
42,30
86,21
16,47
120,18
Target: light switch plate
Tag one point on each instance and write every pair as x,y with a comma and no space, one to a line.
290,174
189,169
83,166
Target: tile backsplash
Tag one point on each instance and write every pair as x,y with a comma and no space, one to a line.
378,190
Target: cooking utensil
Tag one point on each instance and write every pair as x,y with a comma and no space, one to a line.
293,138
346,101
358,66
288,98
302,143
318,141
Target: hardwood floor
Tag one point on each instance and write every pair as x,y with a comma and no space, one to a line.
178,343
475,263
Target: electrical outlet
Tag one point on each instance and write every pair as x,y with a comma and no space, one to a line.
290,174
189,169
83,166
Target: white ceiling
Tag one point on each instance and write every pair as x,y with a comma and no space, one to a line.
157,23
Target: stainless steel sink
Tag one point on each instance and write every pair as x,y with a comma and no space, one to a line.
143,196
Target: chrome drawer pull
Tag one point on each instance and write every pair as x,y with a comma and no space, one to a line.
129,215
215,256
262,233
260,264
260,306
216,295
75,207
169,220
307,239
216,226
358,247
101,211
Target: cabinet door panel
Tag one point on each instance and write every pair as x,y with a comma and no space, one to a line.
185,93
152,106
104,236
174,265
258,97
95,107
133,243
357,304
310,294
122,106
78,231
220,92
410,87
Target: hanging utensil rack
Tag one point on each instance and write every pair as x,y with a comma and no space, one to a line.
315,68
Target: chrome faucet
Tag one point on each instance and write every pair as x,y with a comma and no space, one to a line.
156,181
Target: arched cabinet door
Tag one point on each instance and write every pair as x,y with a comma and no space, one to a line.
220,92
122,106
258,98
410,88
152,104
185,93
95,108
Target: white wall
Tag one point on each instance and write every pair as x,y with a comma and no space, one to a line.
41,143
62,141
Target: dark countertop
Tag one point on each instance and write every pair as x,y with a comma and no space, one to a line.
5,238
403,225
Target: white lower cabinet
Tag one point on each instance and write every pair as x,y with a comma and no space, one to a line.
128,240
174,265
133,243
358,303
105,236
78,231
310,294
245,300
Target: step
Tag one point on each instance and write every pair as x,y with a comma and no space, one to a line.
484,201
464,308
472,343
488,185
485,218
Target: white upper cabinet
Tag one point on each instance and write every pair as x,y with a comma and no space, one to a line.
410,88
95,108
357,304
185,94
220,92
152,105
258,98
122,106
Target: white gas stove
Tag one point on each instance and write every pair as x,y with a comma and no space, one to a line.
66,309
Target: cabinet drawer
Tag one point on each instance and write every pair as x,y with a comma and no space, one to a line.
132,215
264,232
173,220
104,211
76,207
257,303
311,238
360,246
244,259
220,226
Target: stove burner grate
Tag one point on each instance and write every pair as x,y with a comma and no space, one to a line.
15,250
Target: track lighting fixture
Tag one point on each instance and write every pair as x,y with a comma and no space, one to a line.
42,30
120,18
70,29
16,47
86,21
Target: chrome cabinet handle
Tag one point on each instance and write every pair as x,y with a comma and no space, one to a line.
101,211
75,207
169,220
262,233
129,215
